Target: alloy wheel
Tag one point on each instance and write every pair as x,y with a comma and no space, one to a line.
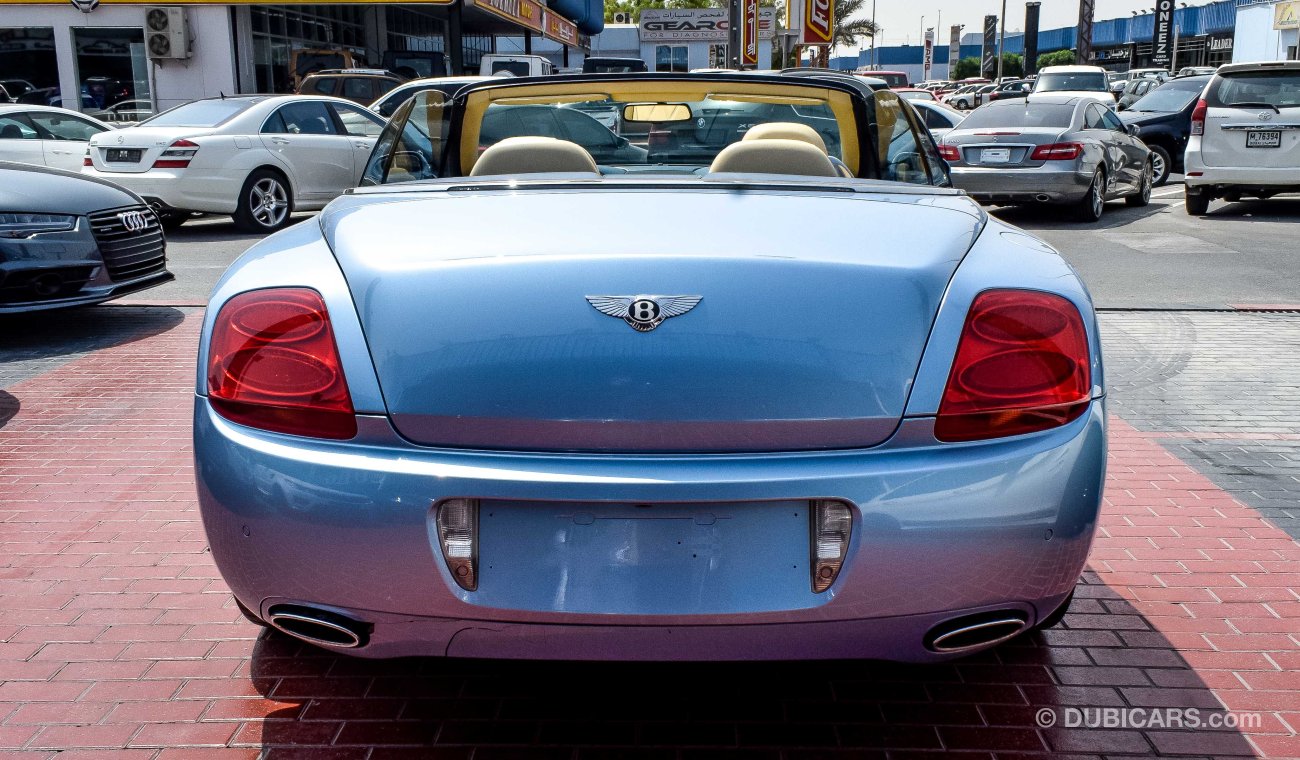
1098,198
1157,164
268,202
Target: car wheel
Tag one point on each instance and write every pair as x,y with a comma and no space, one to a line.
961,105
1057,615
1143,196
264,203
1162,165
1198,203
1094,202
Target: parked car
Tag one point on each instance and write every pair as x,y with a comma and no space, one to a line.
126,111
938,394
68,240
515,65
416,64
13,89
606,65
105,91
1245,135
896,79
1062,149
914,93
939,119
1117,81
361,86
1087,81
46,136
1163,119
971,98
1135,90
1196,71
306,61
385,105
255,157
1016,88
1158,74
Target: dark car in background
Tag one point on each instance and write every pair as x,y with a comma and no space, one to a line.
599,65
69,240
1018,88
1163,118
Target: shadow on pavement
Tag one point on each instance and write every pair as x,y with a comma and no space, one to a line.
31,344
1281,208
9,406
220,229
1047,216
1106,656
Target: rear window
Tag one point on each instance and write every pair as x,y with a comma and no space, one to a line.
1280,89
1083,81
1019,114
894,79
201,113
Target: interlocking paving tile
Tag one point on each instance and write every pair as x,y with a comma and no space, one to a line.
117,638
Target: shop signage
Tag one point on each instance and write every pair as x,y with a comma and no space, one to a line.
1287,15
927,64
818,22
954,47
1162,48
989,53
702,24
1219,44
526,13
559,28
748,32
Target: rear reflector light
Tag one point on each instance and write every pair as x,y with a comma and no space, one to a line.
86,160
949,152
177,155
832,524
1022,365
1057,152
457,523
1198,117
273,364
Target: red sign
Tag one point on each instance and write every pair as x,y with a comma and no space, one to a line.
559,28
818,22
749,32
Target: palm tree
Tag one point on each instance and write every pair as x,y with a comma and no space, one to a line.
850,31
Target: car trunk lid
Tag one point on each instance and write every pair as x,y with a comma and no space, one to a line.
481,325
1253,119
1003,148
135,149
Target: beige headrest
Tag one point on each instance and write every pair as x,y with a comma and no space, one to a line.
774,157
534,155
787,130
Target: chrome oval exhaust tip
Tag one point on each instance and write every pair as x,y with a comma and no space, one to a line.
319,627
1042,198
972,632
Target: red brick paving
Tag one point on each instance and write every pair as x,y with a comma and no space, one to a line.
117,638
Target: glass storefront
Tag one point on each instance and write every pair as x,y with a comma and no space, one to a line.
286,38
111,69
29,69
671,58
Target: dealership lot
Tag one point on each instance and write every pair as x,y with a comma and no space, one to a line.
117,634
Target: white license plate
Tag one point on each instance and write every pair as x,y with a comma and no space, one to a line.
1263,139
995,156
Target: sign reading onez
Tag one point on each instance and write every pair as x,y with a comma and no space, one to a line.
1162,50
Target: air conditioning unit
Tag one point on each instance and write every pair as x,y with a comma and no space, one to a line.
622,17
166,33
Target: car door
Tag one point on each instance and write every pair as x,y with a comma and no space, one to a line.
363,128
1135,151
304,135
19,141
1118,173
64,138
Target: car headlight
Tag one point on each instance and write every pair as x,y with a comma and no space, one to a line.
26,225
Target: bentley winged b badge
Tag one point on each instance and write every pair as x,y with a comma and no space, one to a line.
644,313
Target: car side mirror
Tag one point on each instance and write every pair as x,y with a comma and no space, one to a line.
1121,107
1133,130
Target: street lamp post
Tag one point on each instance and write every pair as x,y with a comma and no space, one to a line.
874,31
1002,38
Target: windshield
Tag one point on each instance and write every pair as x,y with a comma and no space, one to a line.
1085,81
894,79
201,113
1018,114
1169,99
1280,89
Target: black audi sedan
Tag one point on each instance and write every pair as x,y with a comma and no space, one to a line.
1164,120
69,240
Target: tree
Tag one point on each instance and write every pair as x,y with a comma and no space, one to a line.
849,31
1013,65
1056,58
965,68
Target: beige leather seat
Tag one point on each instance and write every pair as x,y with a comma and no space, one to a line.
774,156
787,130
534,155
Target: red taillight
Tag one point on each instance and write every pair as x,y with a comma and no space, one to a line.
1057,152
177,156
1022,365
949,152
273,364
1198,117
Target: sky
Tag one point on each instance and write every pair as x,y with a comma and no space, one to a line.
901,19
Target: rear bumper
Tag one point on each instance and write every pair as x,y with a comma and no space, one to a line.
939,531
192,189
1198,175
1048,183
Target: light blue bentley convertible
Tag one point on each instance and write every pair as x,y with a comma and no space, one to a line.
754,385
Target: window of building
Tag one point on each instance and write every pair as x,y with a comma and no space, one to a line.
111,66
310,37
29,69
671,58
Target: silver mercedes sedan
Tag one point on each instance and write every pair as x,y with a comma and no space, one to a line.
1061,149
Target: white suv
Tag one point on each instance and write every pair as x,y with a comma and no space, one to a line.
1245,135
1080,81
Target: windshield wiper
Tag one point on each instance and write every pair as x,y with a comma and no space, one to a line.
1245,104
